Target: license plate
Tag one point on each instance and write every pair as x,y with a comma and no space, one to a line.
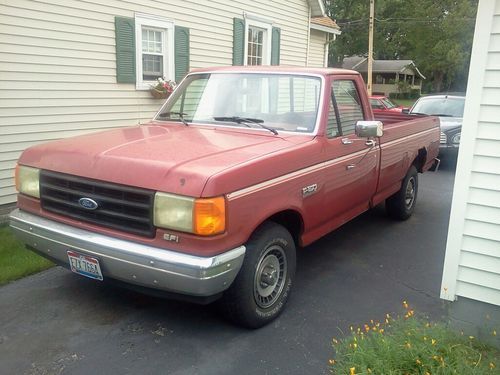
84,265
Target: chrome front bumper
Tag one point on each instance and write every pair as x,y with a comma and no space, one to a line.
131,262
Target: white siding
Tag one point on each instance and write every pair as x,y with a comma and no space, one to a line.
57,63
472,262
317,49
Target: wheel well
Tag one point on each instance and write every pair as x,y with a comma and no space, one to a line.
420,160
292,221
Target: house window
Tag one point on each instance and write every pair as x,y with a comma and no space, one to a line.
155,52
258,42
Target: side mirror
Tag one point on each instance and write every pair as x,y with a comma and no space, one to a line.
368,129
406,111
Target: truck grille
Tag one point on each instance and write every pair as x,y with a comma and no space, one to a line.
120,207
443,139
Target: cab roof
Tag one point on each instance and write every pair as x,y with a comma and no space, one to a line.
276,69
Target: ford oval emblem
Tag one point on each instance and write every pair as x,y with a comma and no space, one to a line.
88,204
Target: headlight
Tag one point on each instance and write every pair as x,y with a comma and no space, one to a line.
28,180
455,139
199,216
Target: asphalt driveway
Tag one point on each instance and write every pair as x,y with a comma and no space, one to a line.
56,322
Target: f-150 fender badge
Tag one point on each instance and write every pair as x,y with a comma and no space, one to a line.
309,190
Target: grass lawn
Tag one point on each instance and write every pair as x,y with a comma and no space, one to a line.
407,103
15,260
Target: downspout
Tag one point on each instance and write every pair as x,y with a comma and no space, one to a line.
327,49
308,36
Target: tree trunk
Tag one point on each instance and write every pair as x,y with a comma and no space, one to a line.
438,81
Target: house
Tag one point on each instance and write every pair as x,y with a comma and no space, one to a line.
387,73
471,274
70,67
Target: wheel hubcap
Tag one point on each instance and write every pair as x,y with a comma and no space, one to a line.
410,192
270,276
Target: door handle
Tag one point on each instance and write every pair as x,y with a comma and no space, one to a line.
350,166
346,141
370,143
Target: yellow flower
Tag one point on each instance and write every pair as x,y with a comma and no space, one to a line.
405,304
492,366
387,316
351,328
335,341
367,327
381,330
408,345
425,338
427,325
352,371
427,373
471,337
418,361
332,361
369,370
355,345
433,342
494,333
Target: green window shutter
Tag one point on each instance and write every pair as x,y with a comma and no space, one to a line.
275,46
125,49
181,52
238,41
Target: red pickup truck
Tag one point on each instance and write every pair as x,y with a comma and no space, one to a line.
241,166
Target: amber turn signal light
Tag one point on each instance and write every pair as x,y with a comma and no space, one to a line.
209,216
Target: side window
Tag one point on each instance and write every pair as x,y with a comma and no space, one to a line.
347,105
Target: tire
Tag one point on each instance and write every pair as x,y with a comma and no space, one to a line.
401,205
260,291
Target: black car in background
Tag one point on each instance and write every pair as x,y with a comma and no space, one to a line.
450,110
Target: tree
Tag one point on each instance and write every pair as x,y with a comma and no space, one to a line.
436,34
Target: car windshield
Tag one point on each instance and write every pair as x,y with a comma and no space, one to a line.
388,103
266,101
443,106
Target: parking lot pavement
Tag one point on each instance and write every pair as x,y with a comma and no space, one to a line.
56,322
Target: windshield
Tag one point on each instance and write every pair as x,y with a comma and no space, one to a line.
444,106
388,103
276,101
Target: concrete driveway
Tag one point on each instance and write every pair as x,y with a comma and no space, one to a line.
56,322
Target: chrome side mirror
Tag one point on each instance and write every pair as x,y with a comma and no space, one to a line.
369,129
405,111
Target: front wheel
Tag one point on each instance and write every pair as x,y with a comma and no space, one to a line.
261,289
402,204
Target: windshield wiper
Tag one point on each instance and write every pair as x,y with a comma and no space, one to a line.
441,115
180,114
245,121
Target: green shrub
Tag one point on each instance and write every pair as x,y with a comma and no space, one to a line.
410,345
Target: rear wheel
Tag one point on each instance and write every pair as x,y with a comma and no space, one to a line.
261,289
402,204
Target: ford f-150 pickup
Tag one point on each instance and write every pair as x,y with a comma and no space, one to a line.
239,168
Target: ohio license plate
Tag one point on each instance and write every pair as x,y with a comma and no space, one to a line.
84,265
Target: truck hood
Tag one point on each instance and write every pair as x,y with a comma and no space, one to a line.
164,157
448,123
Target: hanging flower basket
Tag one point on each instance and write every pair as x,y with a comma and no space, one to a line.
162,89
157,94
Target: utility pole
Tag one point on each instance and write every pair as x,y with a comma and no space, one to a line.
370,47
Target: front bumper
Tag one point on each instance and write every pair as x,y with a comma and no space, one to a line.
130,262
